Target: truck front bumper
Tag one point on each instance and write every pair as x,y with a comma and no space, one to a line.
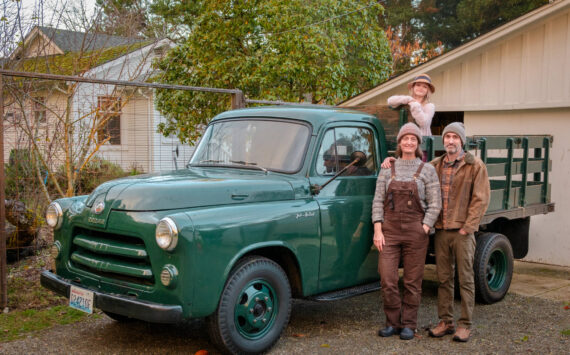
126,306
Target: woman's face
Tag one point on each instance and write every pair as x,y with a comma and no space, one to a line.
420,89
409,144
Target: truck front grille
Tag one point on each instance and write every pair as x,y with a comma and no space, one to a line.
112,256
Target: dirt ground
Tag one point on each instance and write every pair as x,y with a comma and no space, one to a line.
533,318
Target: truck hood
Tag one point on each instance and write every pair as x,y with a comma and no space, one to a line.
189,188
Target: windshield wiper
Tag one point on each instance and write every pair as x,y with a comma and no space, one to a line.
246,163
210,161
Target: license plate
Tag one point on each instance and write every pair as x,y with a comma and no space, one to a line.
81,299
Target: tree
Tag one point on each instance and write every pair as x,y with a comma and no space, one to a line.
319,51
123,17
43,114
456,22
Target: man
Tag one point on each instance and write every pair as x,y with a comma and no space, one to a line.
465,197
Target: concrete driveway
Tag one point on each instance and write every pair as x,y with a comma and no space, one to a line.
533,280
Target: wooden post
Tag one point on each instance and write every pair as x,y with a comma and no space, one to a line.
3,256
238,100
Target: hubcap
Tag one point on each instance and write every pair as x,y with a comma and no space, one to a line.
256,309
496,269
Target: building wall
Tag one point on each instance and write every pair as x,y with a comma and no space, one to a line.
40,47
527,68
548,233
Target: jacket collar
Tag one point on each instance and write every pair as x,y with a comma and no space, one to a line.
468,159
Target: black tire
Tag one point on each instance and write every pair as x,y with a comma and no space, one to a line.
254,308
493,267
119,317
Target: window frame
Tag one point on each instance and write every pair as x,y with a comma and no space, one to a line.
109,108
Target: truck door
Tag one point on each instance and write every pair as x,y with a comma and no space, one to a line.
347,255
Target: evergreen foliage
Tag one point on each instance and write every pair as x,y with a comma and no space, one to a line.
321,51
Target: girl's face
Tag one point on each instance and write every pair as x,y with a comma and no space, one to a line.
420,89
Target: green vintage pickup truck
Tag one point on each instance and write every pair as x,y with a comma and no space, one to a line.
274,204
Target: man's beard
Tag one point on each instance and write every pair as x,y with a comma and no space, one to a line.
451,149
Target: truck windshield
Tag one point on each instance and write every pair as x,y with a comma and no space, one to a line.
254,143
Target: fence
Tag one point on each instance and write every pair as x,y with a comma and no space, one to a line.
67,134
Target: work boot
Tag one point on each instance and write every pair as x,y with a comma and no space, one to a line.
388,331
461,334
442,329
407,334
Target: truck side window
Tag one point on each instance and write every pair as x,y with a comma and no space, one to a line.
337,149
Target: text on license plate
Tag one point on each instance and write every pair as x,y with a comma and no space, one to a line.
81,299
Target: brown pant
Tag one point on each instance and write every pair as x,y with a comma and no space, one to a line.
451,246
409,241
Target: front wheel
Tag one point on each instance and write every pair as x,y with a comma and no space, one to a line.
493,267
254,307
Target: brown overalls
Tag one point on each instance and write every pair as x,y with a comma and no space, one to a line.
404,238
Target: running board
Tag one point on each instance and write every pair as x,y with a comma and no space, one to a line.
346,292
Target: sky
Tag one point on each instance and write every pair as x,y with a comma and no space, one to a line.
57,13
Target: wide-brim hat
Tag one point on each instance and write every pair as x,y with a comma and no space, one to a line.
422,78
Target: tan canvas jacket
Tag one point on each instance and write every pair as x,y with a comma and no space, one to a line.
469,194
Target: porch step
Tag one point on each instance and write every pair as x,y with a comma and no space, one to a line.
346,292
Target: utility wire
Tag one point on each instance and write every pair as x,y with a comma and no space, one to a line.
319,22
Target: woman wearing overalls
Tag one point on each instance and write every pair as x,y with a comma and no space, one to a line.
406,205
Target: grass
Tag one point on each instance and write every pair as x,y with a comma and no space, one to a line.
32,307
17,324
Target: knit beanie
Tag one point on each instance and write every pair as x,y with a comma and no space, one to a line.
457,128
410,128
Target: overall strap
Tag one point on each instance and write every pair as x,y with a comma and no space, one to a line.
393,168
417,174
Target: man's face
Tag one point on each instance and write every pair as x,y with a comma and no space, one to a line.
452,143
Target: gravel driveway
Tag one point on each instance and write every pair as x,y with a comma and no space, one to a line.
518,324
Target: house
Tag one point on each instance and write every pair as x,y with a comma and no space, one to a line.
512,80
120,122
134,142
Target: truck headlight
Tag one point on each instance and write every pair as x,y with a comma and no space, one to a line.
166,234
54,215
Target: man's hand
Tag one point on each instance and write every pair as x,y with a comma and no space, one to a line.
378,236
426,228
462,232
387,163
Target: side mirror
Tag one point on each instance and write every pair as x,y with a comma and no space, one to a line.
358,159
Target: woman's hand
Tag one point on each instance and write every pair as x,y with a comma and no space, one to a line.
426,228
378,236
387,163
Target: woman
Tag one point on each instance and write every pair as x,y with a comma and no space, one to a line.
405,207
421,109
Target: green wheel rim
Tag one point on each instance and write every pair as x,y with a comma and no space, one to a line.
496,269
256,309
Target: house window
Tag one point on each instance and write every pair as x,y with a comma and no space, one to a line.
109,117
39,109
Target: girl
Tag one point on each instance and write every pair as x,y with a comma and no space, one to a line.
421,109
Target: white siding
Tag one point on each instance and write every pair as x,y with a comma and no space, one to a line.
548,233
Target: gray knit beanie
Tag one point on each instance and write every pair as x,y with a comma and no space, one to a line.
457,128
410,128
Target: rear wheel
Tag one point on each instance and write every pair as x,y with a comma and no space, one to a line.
493,267
254,307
